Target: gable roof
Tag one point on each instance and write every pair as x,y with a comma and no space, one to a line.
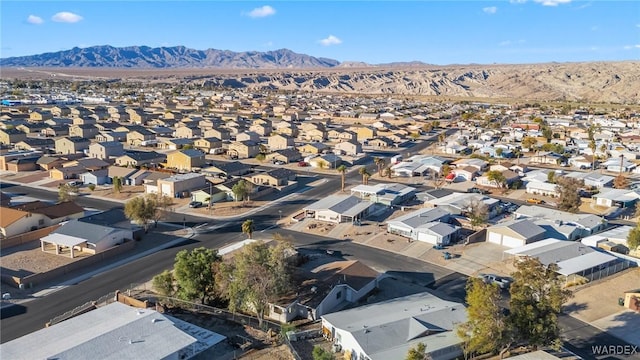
9,216
52,211
353,273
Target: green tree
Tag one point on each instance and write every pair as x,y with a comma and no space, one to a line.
117,184
529,142
547,133
388,172
194,272
379,164
446,170
477,212
365,174
486,330
414,136
633,239
164,284
67,192
441,137
141,210
92,187
551,177
239,190
497,177
569,190
248,227
499,152
536,301
187,147
592,146
260,157
342,170
161,204
319,353
418,352
256,275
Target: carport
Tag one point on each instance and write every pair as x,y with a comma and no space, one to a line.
61,241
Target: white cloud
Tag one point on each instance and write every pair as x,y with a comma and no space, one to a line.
629,47
517,1
490,10
552,2
66,17
33,19
638,25
263,11
268,44
330,40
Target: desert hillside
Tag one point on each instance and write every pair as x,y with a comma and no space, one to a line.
595,82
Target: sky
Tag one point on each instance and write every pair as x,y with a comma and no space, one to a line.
375,32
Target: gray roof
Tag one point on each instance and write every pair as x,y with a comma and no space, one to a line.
114,331
420,217
524,227
342,204
85,230
387,330
588,221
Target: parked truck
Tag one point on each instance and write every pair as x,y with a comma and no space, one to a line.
502,282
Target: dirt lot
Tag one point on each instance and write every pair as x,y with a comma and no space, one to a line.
127,192
262,345
29,259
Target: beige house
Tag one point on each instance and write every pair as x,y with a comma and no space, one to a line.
207,144
40,115
15,222
71,145
106,150
140,158
11,136
365,133
248,136
313,135
313,148
220,133
284,155
279,142
87,131
243,149
69,172
263,129
186,132
349,147
186,159
177,186
277,177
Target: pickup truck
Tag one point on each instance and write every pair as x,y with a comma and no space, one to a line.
503,283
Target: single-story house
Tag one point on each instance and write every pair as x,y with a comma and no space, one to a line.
386,194
284,155
15,222
98,177
427,224
587,223
208,194
177,186
325,289
85,237
515,233
388,329
542,188
339,208
622,198
276,177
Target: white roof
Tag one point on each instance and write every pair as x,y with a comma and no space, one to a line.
534,245
64,240
584,262
115,331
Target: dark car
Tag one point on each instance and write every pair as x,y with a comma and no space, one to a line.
476,190
195,204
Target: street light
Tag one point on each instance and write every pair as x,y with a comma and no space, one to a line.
280,212
184,222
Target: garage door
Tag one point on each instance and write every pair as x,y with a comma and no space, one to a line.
511,242
431,239
166,190
495,238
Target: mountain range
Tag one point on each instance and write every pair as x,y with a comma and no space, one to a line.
169,57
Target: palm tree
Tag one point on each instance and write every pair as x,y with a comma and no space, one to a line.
365,174
592,146
248,227
342,170
441,138
379,163
388,171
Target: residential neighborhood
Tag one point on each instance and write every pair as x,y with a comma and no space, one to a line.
462,187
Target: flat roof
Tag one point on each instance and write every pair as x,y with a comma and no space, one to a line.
584,262
64,240
115,331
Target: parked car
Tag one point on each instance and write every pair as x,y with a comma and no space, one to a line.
303,164
476,190
535,201
502,282
75,183
279,162
195,204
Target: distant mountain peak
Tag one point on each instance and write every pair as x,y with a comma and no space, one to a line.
169,57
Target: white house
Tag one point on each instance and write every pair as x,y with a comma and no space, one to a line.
515,233
85,237
427,224
542,188
339,208
387,330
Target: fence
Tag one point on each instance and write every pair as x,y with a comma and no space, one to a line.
575,279
27,237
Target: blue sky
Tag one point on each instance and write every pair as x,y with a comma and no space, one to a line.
435,32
